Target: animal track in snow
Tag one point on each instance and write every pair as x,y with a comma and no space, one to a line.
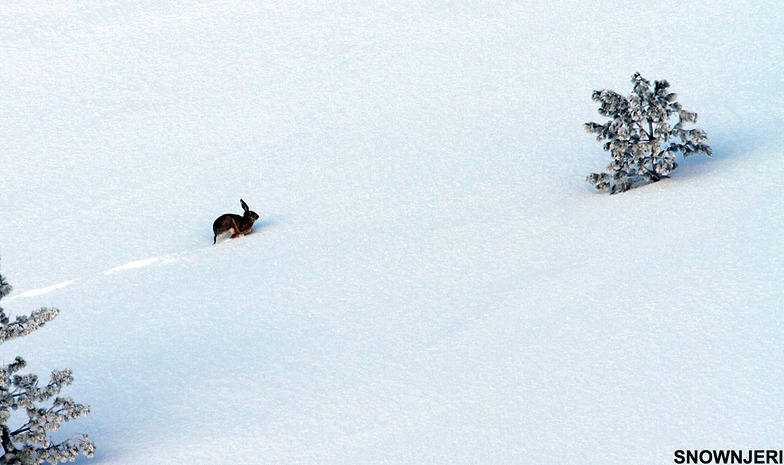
45,290
133,264
170,258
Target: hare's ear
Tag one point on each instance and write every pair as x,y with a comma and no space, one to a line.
244,205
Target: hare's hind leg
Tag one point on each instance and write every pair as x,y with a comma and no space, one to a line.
235,231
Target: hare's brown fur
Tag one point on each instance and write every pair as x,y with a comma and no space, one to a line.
238,225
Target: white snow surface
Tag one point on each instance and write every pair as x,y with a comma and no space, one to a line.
431,280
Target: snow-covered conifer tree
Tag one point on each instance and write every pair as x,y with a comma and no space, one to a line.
26,442
640,137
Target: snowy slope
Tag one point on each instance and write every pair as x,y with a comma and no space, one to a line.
431,281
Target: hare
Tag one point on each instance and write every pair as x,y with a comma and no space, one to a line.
238,225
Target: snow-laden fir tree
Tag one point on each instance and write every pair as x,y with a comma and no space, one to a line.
39,409
640,137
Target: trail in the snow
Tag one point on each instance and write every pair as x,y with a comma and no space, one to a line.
132,265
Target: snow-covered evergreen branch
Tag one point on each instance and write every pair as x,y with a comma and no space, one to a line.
29,443
640,137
